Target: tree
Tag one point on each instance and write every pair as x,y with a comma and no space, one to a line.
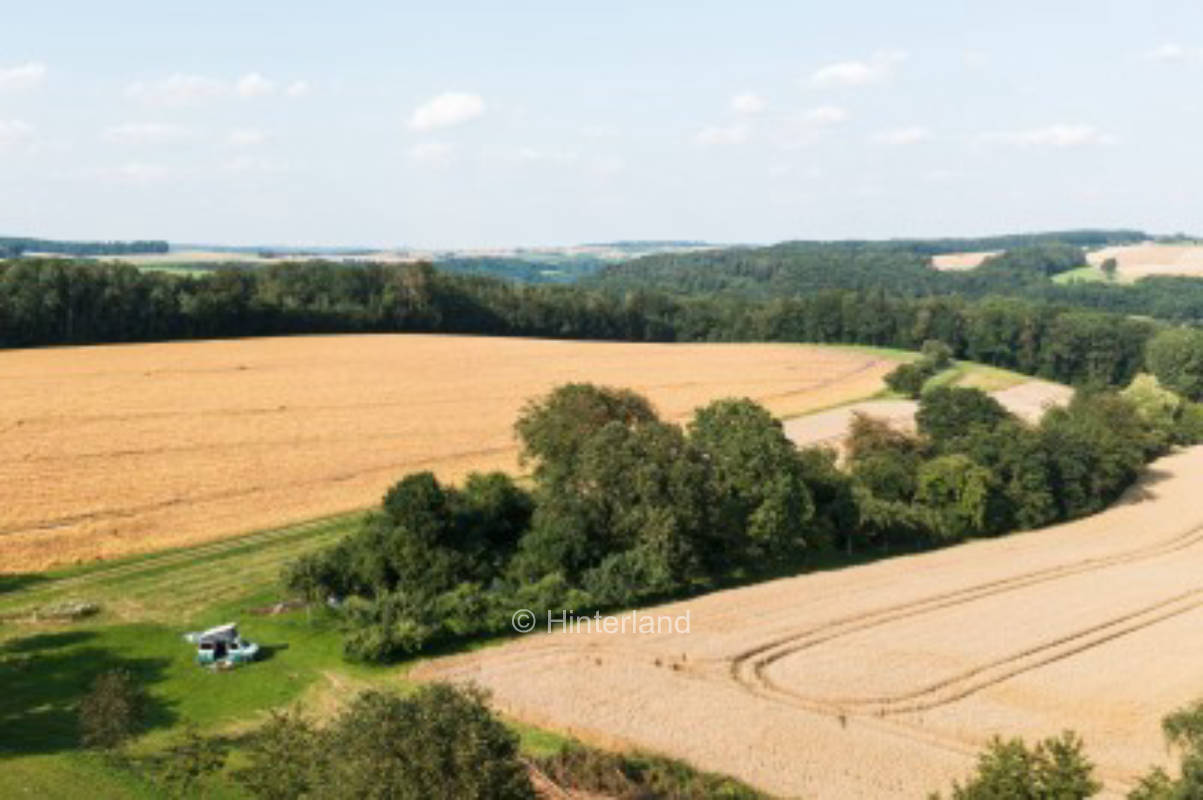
908,379
1175,356
1183,730
937,354
1055,769
440,741
756,480
112,711
285,758
946,413
189,763
1109,268
959,492
553,430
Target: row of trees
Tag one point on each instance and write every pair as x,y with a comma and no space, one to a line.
798,269
626,508
60,302
15,246
974,469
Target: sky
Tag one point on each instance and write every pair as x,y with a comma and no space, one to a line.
477,124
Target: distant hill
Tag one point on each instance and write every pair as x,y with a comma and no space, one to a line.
14,246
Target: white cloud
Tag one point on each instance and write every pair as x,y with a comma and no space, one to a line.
137,173
449,108
176,90
807,127
1174,52
297,89
877,69
431,153
1060,135
144,133
825,115
246,137
901,136
609,165
15,134
253,85
720,135
748,103
22,76
243,164
535,155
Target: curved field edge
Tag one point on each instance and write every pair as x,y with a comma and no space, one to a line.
113,450
771,683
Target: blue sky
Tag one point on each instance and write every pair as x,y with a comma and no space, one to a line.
475,124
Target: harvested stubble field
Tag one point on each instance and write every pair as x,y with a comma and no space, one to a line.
121,449
884,680
1027,400
1140,260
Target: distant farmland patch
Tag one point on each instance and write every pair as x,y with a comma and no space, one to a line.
954,261
1138,261
131,448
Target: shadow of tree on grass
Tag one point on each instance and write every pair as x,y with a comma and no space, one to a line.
44,676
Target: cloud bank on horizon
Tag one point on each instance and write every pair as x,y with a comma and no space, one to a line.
758,123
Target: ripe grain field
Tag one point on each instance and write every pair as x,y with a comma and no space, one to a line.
884,680
122,449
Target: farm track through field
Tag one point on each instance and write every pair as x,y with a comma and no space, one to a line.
966,683
748,668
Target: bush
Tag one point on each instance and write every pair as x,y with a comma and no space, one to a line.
112,711
949,412
1055,769
637,777
908,379
1175,356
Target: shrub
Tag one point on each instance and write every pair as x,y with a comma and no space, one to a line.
1009,770
112,711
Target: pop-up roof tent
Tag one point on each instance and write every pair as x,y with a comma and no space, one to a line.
222,645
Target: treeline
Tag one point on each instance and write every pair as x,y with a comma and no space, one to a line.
15,246
55,302
628,509
803,268
565,269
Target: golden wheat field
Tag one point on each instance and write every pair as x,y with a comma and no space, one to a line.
884,680
127,448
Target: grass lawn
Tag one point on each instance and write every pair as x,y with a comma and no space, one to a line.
147,604
1088,274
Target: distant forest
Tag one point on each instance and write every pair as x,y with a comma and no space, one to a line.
55,301
15,246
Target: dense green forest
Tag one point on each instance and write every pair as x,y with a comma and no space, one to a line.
628,509
14,246
795,269
525,269
52,302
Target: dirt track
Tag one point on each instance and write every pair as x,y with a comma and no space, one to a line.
884,680
828,428
128,448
